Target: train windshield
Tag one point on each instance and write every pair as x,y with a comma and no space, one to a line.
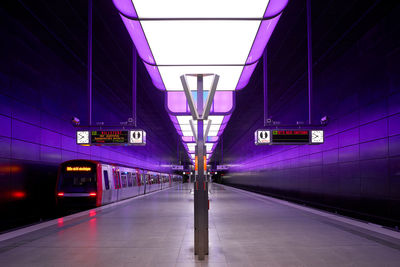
78,178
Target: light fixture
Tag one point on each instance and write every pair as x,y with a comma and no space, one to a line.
175,38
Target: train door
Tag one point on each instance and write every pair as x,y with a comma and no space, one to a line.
107,185
143,181
132,190
139,182
117,185
148,183
124,190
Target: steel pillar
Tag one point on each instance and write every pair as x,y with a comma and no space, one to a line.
200,185
200,114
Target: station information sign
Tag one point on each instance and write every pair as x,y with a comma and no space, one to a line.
111,137
288,137
177,167
222,167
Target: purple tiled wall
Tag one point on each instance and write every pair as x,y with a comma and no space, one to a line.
42,85
357,169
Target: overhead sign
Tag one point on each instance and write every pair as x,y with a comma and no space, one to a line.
177,167
289,137
317,136
222,167
137,137
82,138
111,137
263,137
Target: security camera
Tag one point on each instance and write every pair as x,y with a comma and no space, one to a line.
324,120
75,121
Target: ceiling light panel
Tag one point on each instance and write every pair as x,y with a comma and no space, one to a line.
215,119
199,42
200,9
180,37
229,76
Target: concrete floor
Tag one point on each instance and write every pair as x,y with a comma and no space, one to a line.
157,230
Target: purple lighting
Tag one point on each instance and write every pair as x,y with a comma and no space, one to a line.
139,39
187,139
223,102
275,7
262,38
155,76
125,7
245,76
176,101
234,57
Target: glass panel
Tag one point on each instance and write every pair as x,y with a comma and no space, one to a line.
78,182
124,180
106,181
130,183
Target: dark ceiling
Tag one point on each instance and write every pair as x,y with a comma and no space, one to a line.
337,24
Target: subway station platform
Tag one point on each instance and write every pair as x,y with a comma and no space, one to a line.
246,229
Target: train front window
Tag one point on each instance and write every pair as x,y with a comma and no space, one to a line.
78,182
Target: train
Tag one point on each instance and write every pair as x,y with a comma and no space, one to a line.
90,183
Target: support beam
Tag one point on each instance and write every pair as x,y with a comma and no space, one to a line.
207,130
200,183
201,191
210,97
193,129
189,98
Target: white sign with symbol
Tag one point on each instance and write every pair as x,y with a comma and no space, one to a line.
262,137
137,137
317,136
82,137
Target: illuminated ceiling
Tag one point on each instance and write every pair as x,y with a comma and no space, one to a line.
179,37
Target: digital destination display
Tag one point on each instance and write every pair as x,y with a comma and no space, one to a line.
78,169
109,137
100,137
290,136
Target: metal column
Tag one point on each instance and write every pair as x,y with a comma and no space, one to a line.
200,185
200,114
